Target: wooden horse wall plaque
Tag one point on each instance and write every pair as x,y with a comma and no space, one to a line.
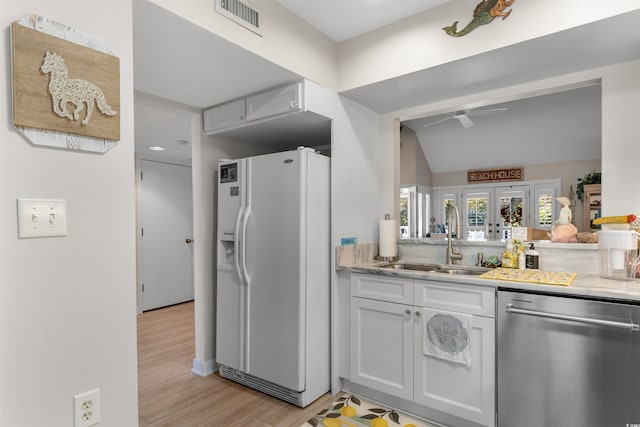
66,94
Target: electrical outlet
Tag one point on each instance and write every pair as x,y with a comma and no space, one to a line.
86,409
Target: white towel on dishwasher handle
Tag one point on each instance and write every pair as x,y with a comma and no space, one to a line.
447,335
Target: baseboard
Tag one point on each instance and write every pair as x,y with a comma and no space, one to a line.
204,369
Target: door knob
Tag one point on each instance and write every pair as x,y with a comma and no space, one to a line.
188,241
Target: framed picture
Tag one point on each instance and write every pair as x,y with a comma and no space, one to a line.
66,93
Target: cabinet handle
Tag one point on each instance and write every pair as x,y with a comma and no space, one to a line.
407,312
417,313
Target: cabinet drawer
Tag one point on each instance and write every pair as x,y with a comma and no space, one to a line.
478,300
382,288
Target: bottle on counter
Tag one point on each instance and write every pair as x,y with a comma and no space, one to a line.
521,260
532,257
509,256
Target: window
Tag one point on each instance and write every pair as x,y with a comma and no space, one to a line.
476,213
489,212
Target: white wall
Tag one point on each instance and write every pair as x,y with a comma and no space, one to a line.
68,304
355,164
620,145
418,42
286,39
414,168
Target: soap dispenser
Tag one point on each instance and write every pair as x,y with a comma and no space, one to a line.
532,257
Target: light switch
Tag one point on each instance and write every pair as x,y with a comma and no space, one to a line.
42,218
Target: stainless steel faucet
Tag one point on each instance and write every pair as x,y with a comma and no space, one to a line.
452,255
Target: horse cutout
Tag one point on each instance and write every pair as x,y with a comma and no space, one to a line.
64,90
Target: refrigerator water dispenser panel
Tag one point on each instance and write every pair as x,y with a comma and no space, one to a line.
229,173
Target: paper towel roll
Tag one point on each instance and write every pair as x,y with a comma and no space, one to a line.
388,237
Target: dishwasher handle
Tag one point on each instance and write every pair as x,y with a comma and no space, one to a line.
631,326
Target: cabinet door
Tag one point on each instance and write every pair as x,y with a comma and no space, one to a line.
382,346
456,389
275,102
225,116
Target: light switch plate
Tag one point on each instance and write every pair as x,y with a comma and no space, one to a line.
41,218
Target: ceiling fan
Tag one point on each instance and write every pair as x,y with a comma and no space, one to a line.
463,116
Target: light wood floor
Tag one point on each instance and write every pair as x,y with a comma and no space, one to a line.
170,395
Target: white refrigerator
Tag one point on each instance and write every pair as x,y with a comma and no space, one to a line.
272,318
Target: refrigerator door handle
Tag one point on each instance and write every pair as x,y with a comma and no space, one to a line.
238,243
243,264
245,219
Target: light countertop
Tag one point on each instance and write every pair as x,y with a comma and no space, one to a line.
584,285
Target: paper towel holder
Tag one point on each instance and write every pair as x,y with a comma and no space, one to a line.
387,217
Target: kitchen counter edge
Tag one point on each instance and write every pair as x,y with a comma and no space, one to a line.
589,285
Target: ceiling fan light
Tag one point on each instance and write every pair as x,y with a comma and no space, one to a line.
465,121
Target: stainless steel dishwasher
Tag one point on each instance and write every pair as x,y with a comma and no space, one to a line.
567,362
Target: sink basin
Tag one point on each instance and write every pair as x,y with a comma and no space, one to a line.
465,271
413,267
438,268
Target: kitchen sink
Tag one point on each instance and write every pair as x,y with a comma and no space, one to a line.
464,271
437,268
413,267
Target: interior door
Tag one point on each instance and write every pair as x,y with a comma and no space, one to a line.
476,212
166,232
511,209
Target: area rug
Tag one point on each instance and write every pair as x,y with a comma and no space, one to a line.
352,411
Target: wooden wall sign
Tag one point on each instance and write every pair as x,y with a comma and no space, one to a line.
495,175
66,86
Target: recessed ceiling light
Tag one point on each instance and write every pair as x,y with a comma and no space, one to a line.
156,148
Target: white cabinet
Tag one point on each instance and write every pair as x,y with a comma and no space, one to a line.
224,116
464,391
387,345
254,108
276,102
382,346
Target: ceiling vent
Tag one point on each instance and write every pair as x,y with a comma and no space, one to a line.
240,13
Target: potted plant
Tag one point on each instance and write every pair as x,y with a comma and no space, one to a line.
590,178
